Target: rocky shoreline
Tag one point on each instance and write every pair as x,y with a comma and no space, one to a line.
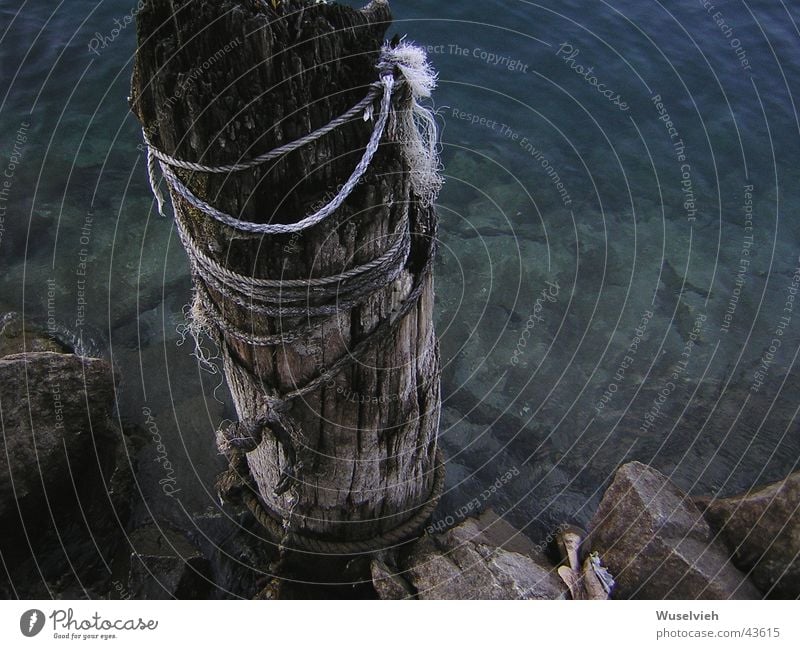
75,523
656,541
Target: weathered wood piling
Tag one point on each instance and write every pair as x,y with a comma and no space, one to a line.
325,333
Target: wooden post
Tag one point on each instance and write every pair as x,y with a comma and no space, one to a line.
218,82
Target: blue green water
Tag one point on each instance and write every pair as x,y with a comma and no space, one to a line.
619,241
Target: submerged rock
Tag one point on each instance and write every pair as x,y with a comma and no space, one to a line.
761,529
164,565
657,544
18,336
55,407
475,561
388,584
64,475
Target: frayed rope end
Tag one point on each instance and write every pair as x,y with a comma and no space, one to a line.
418,131
199,327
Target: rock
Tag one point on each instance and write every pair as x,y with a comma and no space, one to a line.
54,406
239,563
761,529
18,336
490,531
165,565
657,544
65,478
466,563
388,584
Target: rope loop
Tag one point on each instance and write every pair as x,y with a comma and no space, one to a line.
417,133
314,299
238,488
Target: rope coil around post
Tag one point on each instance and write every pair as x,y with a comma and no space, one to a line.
236,486
418,136
382,331
324,296
278,404
351,113
315,299
313,219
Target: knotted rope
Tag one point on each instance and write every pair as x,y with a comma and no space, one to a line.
314,299
278,404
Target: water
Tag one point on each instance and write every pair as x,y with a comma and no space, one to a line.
592,238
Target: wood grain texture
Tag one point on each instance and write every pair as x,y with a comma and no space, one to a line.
367,437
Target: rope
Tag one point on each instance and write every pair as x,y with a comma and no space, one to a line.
417,132
152,174
313,298
363,105
387,80
382,332
247,284
208,306
237,487
336,292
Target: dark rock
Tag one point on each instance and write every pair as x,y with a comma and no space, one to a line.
65,478
55,408
761,529
466,563
164,565
388,584
18,336
657,544
238,554
492,530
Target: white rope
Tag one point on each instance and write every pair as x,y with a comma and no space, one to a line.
418,130
364,105
310,297
417,134
152,167
289,287
324,212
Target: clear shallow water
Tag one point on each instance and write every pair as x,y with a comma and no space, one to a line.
570,225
